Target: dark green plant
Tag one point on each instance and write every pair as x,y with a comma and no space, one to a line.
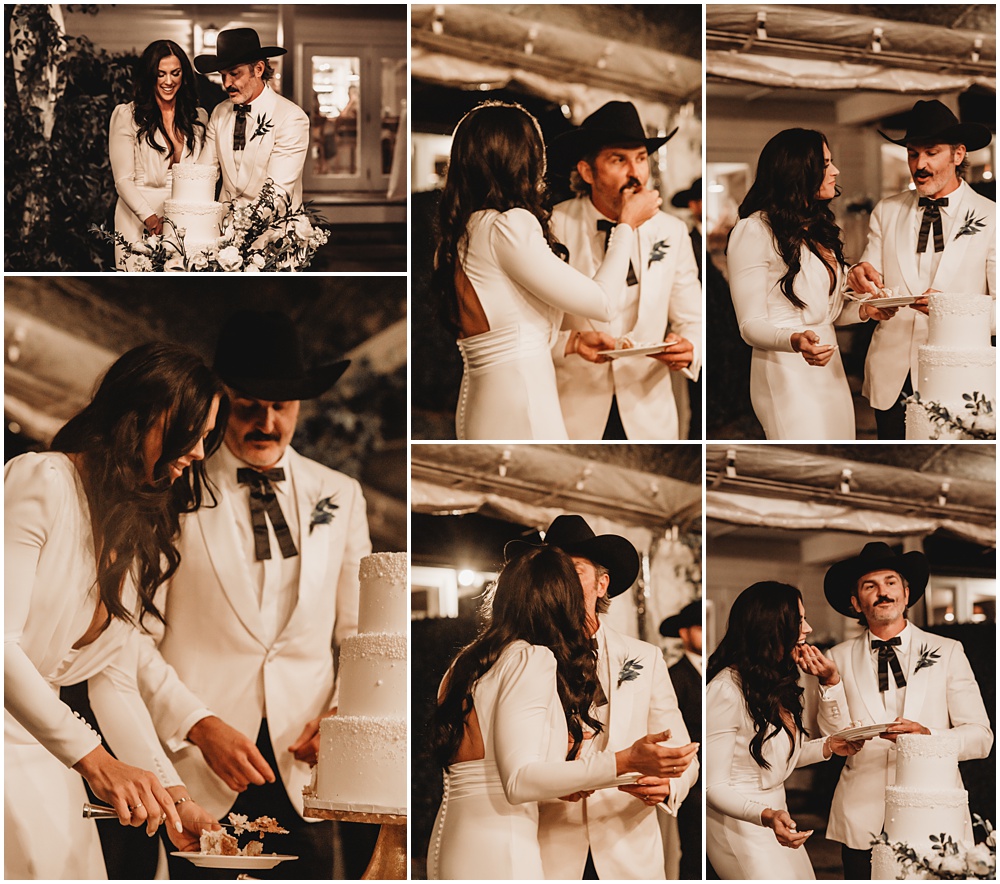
56,189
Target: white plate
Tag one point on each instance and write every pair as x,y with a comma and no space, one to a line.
894,301
206,861
864,731
651,350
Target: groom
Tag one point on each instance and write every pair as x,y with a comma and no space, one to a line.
893,672
631,397
614,833
941,236
257,134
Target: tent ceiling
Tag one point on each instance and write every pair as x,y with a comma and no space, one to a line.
469,46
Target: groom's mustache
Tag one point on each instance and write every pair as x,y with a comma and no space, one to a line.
259,436
921,174
884,598
631,184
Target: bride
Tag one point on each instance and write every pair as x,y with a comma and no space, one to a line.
504,289
512,715
756,738
89,534
786,269
161,126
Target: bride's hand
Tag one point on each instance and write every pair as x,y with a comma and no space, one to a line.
577,796
194,818
154,225
588,344
811,660
651,758
807,343
784,828
844,747
639,204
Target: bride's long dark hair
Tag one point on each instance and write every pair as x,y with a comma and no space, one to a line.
147,112
536,598
136,524
497,162
790,172
764,626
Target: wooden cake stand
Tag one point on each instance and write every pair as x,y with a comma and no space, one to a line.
388,862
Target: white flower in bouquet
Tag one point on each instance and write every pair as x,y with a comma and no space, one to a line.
265,212
303,229
154,240
319,238
230,259
952,864
251,268
142,264
981,861
174,263
985,424
258,261
142,247
199,261
271,235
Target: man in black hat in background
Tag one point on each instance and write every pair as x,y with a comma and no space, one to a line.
268,584
941,236
613,834
629,397
686,677
257,134
892,672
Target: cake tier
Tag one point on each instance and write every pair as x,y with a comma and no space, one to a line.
383,606
945,373
373,677
193,183
958,320
913,814
927,761
198,221
362,765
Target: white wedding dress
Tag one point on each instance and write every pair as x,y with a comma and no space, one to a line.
487,825
49,602
142,175
792,399
737,789
509,383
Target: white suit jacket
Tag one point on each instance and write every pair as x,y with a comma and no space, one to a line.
215,638
943,697
968,264
621,831
278,152
669,300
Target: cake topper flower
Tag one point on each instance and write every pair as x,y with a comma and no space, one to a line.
927,657
658,252
971,226
322,513
630,671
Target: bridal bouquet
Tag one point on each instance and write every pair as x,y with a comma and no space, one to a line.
259,236
976,421
948,860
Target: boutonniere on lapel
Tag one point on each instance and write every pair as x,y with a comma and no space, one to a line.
658,252
630,671
264,125
971,226
926,658
322,513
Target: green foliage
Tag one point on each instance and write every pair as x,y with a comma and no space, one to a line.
55,189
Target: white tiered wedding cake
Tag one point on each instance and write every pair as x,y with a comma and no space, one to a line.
957,359
192,207
927,799
362,755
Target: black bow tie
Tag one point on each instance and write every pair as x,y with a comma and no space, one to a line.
240,130
932,215
606,226
263,500
887,658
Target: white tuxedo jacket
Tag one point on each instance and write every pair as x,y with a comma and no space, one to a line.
621,831
278,152
943,697
215,638
669,300
968,264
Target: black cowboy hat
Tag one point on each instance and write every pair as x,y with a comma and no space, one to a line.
616,123
841,581
235,46
260,355
681,199
575,537
931,122
689,615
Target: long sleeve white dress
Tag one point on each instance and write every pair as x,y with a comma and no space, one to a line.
487,825
142,175
49,603
792,399
509,383
739,846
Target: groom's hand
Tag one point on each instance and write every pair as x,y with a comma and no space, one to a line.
649,790
920,305
863,278
903,726
232,755
678,357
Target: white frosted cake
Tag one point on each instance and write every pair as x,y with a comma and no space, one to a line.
957,359
192,207
362,755
927,799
